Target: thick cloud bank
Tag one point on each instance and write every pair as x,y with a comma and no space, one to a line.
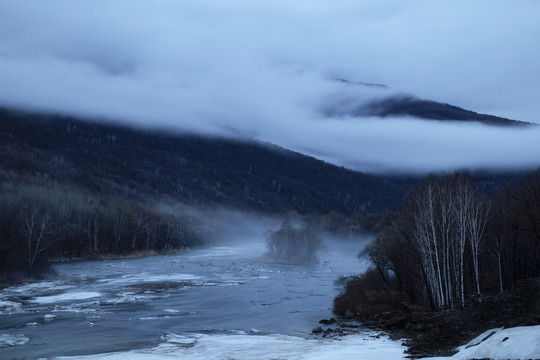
266,69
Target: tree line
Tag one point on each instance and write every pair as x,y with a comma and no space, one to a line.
43,221
449,242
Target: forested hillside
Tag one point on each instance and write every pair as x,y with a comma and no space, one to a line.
190,168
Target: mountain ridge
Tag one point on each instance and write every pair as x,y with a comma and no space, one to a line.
433,110
410,105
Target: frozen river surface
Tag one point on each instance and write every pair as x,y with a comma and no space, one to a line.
217,303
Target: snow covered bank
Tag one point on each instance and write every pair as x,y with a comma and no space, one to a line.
512,343
261,347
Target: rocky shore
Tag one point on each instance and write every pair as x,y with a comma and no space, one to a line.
429,333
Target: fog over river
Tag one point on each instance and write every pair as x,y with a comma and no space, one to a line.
221,302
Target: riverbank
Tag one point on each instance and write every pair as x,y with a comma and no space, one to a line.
429,333
46,269
130,255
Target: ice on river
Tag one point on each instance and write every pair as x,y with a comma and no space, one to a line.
247,346
150,278
69,296
7,307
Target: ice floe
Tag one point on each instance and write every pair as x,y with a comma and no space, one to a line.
49,317
12,340
171,311
149,278
8,307
69,296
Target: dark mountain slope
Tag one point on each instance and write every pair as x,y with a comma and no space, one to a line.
194,169
426,109
408,105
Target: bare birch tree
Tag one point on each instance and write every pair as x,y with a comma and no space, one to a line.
35,227
461,204
476,223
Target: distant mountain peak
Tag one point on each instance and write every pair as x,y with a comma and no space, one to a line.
433,110
403,104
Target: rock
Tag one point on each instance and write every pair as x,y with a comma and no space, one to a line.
420,327
317,330
327,322
396,321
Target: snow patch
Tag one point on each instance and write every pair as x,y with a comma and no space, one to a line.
512,343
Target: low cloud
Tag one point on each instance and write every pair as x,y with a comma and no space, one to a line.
412,145
267,70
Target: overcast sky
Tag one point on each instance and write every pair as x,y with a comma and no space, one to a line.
265,69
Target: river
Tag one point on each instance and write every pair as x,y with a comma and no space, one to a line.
220,302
